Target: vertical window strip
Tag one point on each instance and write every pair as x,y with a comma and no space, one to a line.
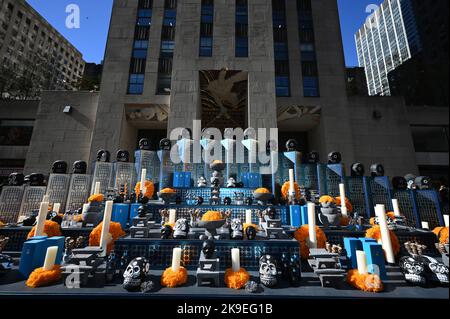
282,72
241,36
206,28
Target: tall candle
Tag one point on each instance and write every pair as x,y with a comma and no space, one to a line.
105,236
396,207
446,220
57,207
380,211
235,259
97,188
85,208
143,179
172,216
50,258
291,182
312,225
425,225
361,261
42,217
343,197
248,216
176,259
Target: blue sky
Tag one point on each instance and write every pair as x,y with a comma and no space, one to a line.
90,38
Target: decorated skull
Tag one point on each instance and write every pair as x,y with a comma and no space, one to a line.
166,232
413,270
313,157
144,144
59,167
334,158
227,201
199,201
376,170
103,156
423,182
136,275
181,229
209,248
250,232
79,167
236,229
291,145
16,179
268,271
165,144
35,179
357,170
201,182
231,183
410,180
271,213
123,156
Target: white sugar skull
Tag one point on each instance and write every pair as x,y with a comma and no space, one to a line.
413,270
137,274
268,271
181,229
236,229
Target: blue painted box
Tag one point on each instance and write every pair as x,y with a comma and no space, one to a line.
254,180
376,262
187,179
304,215
134,210
30,249
120,214
182,179
296,218
58,242
351,245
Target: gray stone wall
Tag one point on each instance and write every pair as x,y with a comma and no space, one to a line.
59,136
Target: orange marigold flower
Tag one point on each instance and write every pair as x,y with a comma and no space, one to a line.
327,199
375,233
285,190
212,216
236,280
40,277
167,191
96,198
442,234
51,229
149,189
366,282
302,235
348,204
115,229
172,279
262,191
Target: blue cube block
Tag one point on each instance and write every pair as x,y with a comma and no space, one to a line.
367,240
376,262
178,180
120,214
304,215
254,180
32,252
245,179
295,214
134,210
351,245
187,179
58,242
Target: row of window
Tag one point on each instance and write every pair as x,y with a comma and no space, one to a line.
282,80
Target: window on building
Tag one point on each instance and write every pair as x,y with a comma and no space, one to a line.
241,44
206,28
282,78
136,84
16,132
430,139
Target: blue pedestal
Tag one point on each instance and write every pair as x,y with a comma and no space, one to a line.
254,180
351,246
296,217
304,215
376,262
134,210
245,179
120,214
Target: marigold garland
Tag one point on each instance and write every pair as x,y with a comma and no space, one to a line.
348,204
262,191
172,279
115,229
302,235
211,215
168,191
327,199
285,190
51,229
96,198
365,282
149,189
236,280
40,277
442,234
375,233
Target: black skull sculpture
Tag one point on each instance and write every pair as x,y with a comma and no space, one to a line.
145,144
59,167
236,229
137,276
334,158
209,249
166,232
376,170
103,156
227,201
423,182
413,270
250,232
313,157
291,145
16,179
358,170
268,271
79,167
123,156
181,229
35,179
271,213
165,144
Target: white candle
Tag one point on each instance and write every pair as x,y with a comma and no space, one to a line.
425,225
97,188
248,216
312,225
291,182
42,217
396,207
362,262
106,236
343,197
446,220
85,208
176,259
172,216
143,179
57,207
50,258
380,211
235,259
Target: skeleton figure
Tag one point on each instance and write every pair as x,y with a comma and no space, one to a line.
236,229
231,183
137,276
268,271
201,182
16,179
250,232
181,229
79,167
59,167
